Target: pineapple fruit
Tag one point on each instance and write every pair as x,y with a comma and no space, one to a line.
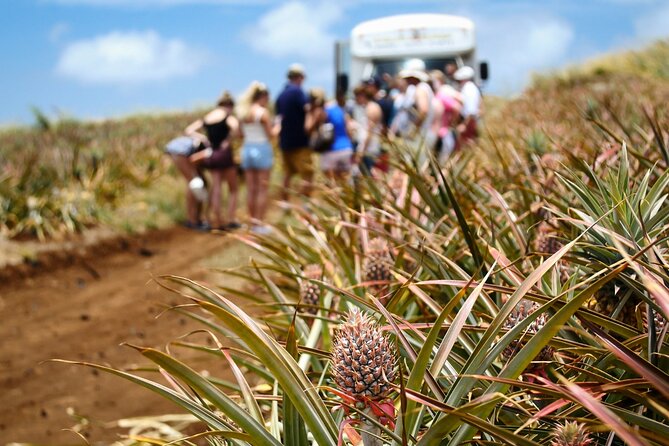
606,300
571,434
658,320
547,242
377,265
310,292
523,309
363,359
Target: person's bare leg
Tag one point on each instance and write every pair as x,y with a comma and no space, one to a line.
308,173
286,186
185,167
307,186
192,207
188,171
230,175
252,192
215,198
262,194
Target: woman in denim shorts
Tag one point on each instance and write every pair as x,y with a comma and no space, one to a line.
257,152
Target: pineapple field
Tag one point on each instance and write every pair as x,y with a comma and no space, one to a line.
518,295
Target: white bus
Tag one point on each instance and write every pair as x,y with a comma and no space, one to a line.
384,45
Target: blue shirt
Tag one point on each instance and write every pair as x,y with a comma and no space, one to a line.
336,118
290,105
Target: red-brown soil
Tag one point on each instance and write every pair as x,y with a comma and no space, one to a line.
82,309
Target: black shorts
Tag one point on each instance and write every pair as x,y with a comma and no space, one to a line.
220,159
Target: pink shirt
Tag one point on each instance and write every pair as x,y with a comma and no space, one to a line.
451,110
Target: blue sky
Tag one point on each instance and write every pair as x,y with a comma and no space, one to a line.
103,58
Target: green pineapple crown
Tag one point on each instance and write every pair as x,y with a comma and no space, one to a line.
571,434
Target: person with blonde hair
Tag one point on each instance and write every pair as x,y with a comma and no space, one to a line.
220,128
336,160
257,153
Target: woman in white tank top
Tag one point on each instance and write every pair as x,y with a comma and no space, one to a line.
257,152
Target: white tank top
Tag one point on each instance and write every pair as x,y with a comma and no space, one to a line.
374,141
254,131
427,123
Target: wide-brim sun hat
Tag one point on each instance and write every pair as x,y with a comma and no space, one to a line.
464,74
414,68
416,74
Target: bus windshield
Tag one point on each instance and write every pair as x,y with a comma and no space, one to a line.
393,67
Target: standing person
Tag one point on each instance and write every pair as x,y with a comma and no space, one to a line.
450,104
335,163
257,153
220,128
419,101
291,108
369,122
471,105
449,71
180,149
381,97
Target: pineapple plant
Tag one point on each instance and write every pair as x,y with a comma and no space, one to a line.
364,366
547,242
523,309
659,321
310,292
571,434
607,300
377,265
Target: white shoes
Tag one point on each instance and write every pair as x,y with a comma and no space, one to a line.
196,186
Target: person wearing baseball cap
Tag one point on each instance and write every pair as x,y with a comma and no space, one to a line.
471,103
291,108
374,86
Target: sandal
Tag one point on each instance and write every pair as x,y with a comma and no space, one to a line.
199,226
232,226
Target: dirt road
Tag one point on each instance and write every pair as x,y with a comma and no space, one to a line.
83,312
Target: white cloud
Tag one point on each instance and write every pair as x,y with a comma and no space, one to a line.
301,32
516,46
295,29
129,58
653,25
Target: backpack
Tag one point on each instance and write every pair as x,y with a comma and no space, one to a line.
323,138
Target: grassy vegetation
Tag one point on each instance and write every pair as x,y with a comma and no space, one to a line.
62,176
651,62
519,296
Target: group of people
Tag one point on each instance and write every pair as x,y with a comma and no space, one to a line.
434,111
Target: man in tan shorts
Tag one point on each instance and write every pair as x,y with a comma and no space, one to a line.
291,109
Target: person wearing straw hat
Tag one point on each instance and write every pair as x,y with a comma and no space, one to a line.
291,108
471,104
418,103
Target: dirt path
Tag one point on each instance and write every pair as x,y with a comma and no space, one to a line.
83,312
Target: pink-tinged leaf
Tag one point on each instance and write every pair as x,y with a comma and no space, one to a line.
345,428
605,415
507,265
655,376
657,290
